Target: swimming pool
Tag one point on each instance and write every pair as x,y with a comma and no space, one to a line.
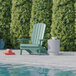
25,70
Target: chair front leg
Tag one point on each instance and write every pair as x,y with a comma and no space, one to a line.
20,51
40,51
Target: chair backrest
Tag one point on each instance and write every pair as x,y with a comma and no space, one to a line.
38,33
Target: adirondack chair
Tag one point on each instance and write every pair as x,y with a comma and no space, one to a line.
35,47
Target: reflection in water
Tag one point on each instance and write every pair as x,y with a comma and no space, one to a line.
19,70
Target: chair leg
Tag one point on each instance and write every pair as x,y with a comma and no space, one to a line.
39,51
29,51
20,51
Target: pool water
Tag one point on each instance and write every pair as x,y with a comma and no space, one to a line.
23,70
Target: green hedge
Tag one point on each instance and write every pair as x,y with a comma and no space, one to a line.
63,23
5,19
41,13
20,20
75,23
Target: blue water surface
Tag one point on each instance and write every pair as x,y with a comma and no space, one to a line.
22,70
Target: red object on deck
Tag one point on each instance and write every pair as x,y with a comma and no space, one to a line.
9,52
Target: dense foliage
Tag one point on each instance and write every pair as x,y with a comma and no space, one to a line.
20,20
75,22
5,19
63,23
17,18
41,13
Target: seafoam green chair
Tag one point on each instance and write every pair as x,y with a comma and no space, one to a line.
35,47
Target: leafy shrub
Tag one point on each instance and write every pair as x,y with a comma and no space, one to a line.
5,19
20,17
63,23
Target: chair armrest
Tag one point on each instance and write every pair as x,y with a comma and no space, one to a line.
21,40
43,40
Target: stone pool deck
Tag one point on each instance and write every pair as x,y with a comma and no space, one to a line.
64,59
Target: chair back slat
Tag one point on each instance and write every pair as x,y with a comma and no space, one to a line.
38,33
